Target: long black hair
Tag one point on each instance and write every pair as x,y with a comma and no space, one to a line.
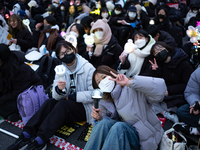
81,31
8,69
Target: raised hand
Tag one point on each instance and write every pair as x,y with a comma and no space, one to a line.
154,65
121,79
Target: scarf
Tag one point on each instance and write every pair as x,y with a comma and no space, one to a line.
106,36
51,39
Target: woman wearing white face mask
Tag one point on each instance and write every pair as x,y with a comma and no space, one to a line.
126,106
104,13
130,24
106,49
194,9
78,31
139,58
115,19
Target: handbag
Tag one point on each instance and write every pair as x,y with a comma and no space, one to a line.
173,140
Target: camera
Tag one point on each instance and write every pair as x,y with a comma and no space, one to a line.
196,106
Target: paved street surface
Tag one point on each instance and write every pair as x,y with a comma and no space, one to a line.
6,140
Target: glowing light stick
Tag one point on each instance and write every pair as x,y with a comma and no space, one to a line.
60,71
96,96
198,23
26,22
151,22
89,41
72,39
129,47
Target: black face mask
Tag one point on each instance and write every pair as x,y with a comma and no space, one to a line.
162,55
68,58
46,27
161,16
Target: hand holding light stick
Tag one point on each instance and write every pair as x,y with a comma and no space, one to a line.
89,41
129,47
60,71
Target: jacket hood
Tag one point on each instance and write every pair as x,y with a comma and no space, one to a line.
178,57
80,63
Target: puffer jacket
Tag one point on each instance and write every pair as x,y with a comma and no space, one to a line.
83,81
192,89
134,106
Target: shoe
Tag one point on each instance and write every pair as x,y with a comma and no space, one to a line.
182,127
35,146
13,117
20,144
170,116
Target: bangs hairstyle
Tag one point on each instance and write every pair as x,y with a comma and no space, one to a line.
65,44
158,44
103,70
20,25
142,33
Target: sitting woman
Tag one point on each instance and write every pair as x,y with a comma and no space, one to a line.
20,34
162,20
138,60
48,37
129,26
174,68
78,31
106,50
15,77
71,101
125,116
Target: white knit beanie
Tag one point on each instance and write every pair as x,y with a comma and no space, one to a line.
153,2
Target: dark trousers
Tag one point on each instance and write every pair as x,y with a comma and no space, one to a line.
52,115
8,108
184,115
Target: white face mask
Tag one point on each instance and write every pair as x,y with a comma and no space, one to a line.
132,14
62,8
98,34
195,11
104,15
117,12
107,85
74,33
98,5
55,4
140,43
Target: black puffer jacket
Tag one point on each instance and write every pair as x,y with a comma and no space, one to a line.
25,78
176,74
24,39
110,55
167,38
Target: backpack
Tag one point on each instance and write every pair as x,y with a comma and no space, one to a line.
29,101
46,70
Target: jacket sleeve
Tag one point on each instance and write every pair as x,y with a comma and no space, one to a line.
23,81
85,96
26,42
117,53
192,93
35,38
153,88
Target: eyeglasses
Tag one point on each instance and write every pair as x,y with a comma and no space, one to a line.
66,52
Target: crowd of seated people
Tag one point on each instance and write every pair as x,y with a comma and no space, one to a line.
159,76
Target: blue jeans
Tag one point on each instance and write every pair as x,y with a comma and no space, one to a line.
184,115
110,134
